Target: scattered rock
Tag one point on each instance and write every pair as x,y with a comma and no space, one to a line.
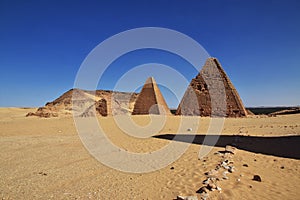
245,165
203,189
171,167
224,175
282,167
43,173
207,181
230,149
211,172
214,175
204,196
256,178
231,169
189,129
211,186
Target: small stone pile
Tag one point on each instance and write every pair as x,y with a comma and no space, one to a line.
214,176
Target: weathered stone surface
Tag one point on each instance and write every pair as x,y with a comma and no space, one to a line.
150,100
84,103
211,93
100,108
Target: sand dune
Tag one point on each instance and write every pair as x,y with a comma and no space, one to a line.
43,158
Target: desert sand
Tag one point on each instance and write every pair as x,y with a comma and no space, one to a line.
44,158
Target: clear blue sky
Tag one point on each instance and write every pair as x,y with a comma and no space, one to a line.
43,43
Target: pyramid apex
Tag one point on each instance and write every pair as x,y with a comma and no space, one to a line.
150,80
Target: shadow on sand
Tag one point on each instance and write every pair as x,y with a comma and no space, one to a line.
284,146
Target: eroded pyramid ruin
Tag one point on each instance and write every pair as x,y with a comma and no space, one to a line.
208,84
86,103
150,100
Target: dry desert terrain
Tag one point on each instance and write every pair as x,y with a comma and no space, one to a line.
44,158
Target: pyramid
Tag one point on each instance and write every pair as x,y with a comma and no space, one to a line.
150,100
197,99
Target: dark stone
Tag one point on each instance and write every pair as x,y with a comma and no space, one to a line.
256,178
203,189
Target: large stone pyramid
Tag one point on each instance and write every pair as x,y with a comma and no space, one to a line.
197,99
150,100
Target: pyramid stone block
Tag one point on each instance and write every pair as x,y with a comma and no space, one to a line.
150,100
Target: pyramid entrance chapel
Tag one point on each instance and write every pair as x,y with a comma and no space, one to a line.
150,100
198,92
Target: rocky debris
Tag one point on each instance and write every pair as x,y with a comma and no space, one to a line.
211,186
207,83
245,165
224,175
203,189
187,198
214,176
43,112
256,178
204,196
231,169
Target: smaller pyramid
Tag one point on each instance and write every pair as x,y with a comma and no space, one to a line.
150,100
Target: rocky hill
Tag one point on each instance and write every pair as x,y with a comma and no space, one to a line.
88,103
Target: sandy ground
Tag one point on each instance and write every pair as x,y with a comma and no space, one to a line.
45,159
